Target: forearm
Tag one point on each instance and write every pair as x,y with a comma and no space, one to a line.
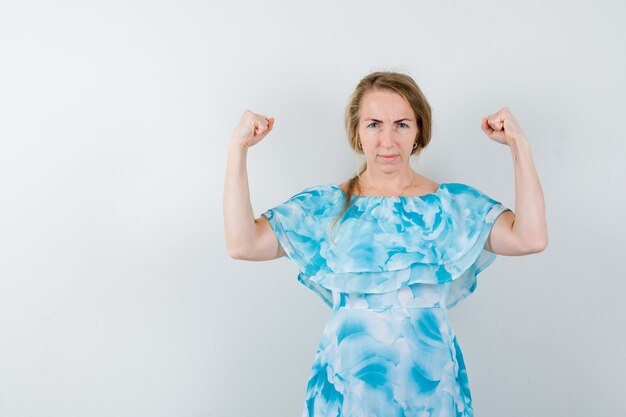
239,221
529,226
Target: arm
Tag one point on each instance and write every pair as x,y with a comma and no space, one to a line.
247,238
525,231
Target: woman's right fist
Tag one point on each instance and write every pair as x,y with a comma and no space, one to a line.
252,128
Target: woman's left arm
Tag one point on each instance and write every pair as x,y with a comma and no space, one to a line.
525,231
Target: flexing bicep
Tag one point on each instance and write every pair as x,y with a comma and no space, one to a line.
266,245
502,240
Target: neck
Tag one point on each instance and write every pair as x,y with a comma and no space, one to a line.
388,182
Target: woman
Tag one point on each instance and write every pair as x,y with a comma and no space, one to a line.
390,259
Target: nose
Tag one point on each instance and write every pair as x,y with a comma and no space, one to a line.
386,137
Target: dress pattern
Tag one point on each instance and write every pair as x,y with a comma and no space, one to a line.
390,270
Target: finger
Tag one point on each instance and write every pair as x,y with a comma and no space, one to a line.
252,120
496,123
249,117
485,126
261,119
261,127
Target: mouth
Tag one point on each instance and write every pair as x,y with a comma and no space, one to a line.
387,157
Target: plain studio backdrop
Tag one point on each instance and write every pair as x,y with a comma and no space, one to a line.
117,295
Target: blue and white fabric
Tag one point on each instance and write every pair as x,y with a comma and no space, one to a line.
390,269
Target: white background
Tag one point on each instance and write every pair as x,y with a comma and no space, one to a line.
117,296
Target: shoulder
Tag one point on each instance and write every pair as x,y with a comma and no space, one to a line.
316,193
461,190
313,200
468,197
471,206
315,190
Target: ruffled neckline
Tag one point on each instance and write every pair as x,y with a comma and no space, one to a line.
394,197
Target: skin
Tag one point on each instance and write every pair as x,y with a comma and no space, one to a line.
524,231
387,126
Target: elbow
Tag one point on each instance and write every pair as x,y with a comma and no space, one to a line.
234,255
538,245
239,255
236,252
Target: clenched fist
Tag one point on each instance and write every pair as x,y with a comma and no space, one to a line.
252,128
502,127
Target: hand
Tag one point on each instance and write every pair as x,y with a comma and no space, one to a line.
502,127
252,128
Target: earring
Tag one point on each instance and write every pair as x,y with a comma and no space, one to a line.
414,145
360,146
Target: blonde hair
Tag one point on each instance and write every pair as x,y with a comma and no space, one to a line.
401,84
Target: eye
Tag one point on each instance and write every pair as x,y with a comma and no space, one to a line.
373,124
403,125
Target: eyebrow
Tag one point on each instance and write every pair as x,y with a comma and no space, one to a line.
397,121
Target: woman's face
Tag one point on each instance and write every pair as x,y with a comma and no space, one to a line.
387,129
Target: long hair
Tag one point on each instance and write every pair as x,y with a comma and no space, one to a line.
406,87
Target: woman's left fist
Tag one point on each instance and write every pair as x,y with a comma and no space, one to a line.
502,127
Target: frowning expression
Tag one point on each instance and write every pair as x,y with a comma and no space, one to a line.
387,128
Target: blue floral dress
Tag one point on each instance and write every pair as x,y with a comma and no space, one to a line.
390,269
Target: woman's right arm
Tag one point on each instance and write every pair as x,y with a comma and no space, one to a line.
247,238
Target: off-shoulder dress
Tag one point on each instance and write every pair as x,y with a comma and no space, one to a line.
389,269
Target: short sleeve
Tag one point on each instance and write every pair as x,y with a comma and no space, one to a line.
299,231
474,214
